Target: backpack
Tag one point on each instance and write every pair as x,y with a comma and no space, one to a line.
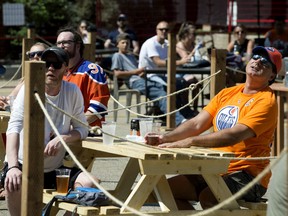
81,196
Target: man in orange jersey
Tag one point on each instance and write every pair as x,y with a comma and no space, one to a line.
89,77
244,119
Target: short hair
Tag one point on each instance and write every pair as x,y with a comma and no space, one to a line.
40,44
122,36
76,35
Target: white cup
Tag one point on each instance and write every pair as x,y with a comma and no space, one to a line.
108,128
145,125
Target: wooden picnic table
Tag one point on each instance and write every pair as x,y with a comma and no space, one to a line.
154,164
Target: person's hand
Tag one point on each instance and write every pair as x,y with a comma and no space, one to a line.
13,180
186,143
3,102
52,147
141,72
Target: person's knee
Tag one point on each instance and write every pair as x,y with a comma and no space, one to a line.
84,181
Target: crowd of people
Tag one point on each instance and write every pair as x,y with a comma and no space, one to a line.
243,117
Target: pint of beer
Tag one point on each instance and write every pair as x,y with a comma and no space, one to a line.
62,180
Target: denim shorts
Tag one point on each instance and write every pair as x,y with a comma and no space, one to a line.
235,182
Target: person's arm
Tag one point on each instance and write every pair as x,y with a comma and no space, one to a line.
163,63
136,47
107,43
230,46
123,74
225,137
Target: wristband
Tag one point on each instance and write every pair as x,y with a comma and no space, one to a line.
13,168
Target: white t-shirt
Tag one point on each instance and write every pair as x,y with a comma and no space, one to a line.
70,100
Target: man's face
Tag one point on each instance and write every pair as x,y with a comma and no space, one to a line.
162,30
55,70
123,45
35,52
260,69
121,22
65,40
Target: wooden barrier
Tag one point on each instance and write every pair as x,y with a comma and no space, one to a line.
32,177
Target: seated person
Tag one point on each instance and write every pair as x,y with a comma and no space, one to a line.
240,50
244,118
66,96
153,54
124,65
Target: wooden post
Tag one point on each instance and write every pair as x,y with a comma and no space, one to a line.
32,178
27,43
171,80
218,62
89,51
31,33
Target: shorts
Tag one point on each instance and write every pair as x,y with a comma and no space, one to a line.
49,177
235,182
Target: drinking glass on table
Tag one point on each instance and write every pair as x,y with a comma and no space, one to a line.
145,125
109,128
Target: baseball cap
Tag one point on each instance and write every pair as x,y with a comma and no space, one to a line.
122,17
61,55
272,55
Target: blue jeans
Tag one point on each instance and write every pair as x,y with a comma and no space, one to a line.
156,90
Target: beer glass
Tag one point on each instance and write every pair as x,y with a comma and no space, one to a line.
62,180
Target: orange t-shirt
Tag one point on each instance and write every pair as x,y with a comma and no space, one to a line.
257,111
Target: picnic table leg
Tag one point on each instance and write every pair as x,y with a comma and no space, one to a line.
220,190
141,191
164,195
127,179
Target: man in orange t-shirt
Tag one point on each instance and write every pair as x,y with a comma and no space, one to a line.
244,121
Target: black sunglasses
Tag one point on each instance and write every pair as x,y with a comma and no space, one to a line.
263,60
56,65
32,54
163,29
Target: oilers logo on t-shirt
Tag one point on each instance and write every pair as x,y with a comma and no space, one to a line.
227,117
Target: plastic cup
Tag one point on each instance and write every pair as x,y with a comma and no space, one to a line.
62,180
145,125
109,128
153,139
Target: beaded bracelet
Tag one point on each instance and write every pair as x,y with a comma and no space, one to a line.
12,168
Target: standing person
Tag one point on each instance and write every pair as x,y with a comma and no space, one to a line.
244,118
153,54
89,77
278,189
124,65
122,28
64,95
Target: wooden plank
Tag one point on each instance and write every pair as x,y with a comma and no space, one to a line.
171,81
26,45
164,195
166,167
220,190
141,191
218,62
32,177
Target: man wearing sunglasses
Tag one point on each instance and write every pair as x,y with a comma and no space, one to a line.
64,95
89,77
244,119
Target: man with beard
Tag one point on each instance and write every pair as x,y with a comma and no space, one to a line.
89,77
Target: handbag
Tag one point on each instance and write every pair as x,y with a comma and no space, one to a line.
81,196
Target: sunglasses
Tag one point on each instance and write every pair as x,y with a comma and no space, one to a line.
121,19
56,65
32,54
163,29
263,60
240,32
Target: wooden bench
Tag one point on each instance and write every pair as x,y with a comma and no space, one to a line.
48,194
262,205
